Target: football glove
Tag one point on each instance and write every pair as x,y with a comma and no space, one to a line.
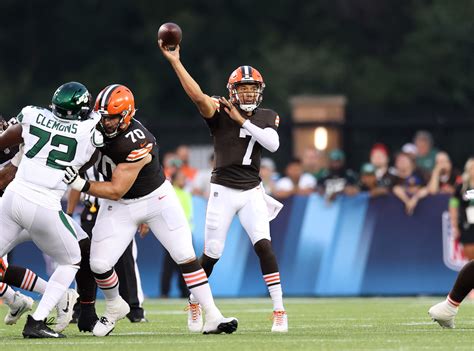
97,139
470,194
74,180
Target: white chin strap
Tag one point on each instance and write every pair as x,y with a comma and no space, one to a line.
248,107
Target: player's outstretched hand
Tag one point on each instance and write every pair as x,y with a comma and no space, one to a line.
470,194
73,179
171,56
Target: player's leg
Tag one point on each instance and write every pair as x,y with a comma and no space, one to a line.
51,231
444,312
254,218
168,223
10,237
17,303
221,209
129,283
86,286
112,233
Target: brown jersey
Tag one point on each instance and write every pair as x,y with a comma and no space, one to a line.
237,153
131,146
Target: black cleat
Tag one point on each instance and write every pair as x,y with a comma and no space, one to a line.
87,318
137,315
39,330
229,327
225,325
75,314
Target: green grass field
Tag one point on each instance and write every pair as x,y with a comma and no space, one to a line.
315,324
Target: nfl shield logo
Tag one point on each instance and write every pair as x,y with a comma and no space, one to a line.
453,255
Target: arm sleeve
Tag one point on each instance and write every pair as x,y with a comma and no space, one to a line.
267,137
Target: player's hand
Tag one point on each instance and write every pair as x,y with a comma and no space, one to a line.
171,56
73,179
143,230
232,111
469,194
97,139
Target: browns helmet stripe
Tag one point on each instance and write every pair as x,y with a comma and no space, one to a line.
106,96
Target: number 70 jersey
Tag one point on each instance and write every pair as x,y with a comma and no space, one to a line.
129,146
50,145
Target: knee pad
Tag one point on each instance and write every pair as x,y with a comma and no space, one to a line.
99,266
214,249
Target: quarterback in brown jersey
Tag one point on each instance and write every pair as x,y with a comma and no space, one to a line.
240,129
135,191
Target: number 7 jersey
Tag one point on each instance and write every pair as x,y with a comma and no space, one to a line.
50,145
237,153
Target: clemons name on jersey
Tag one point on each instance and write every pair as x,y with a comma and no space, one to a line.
50,145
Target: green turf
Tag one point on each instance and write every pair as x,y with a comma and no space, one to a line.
315,324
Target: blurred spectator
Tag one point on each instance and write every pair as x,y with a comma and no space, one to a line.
409,186
202,181
410,149
171,163
315,162
268,175
295,182
426,153
380,159
339,179
170,267
182,152
461,211
443,178
368,181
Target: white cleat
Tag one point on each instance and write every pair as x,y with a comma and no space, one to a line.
444,314
194,317
20,305
221,325
64,310
114,311
280,322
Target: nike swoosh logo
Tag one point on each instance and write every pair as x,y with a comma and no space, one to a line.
66,310
142,144
55,335
161,197
14,314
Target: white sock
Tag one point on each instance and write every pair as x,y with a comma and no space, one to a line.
40,286
277,297
192,299
55,289
109,285
201,291
7,294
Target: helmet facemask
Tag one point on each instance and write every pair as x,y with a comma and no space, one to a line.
121,125
247,99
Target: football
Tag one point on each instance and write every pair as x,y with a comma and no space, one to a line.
171,35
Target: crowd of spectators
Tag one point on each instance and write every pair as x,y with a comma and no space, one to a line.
416,171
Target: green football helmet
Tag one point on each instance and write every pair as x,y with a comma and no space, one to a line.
71,101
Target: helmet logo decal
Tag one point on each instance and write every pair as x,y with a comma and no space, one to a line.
84,98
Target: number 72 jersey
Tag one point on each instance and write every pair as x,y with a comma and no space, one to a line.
50,145
237,153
